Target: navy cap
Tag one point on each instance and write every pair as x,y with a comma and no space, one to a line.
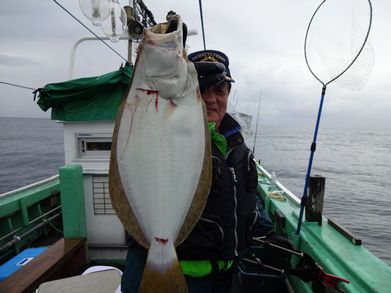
212,56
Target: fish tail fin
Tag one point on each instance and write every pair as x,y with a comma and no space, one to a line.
162,271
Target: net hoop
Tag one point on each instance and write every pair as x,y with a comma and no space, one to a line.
353,60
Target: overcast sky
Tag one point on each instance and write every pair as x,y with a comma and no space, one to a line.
263,39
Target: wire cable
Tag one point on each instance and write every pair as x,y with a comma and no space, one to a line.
99,38
17,85
202,24
55,228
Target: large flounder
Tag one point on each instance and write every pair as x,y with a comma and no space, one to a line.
160,165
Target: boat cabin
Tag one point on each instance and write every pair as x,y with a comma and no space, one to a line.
88,144
88,116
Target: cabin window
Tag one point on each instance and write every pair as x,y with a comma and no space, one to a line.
101,196
94,145
97,146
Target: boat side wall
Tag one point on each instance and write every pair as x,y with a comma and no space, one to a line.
25,209
330,249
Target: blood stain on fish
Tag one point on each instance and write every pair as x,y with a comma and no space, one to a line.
161,241
132,108
151,92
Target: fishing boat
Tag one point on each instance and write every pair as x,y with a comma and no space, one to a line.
71,213
69,217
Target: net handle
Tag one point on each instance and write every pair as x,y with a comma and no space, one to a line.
354,59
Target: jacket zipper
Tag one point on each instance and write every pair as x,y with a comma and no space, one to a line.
235,212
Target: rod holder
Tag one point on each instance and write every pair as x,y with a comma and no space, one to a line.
314,203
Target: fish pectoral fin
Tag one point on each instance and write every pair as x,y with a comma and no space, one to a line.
162,271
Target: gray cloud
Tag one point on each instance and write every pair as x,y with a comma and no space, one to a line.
264,41
9,60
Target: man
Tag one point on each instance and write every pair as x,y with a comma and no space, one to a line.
231,217
231,205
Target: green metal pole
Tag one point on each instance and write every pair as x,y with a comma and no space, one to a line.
72,200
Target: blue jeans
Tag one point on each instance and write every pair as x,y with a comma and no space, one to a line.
135,261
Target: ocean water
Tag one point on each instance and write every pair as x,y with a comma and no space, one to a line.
355,162
31,149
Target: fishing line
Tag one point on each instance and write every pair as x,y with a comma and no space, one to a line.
99,38
334,41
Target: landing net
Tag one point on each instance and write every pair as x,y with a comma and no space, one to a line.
336,46
336,49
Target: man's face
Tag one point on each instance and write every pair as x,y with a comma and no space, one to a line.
216,98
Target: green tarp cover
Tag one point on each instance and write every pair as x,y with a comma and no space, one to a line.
86,99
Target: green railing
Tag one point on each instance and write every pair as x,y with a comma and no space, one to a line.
24,214
330,249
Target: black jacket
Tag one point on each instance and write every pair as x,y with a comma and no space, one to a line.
230,216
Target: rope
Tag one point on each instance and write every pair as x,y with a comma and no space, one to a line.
278,195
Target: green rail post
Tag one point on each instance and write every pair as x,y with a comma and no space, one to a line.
72,200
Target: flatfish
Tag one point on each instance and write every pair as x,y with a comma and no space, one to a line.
160,165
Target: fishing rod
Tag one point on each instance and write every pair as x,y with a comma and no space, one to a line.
202,23
251,262
256,125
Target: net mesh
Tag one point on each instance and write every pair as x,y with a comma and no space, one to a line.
336,35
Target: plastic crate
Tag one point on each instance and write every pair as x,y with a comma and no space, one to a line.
19,261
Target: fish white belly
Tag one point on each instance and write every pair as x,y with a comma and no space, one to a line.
160,154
